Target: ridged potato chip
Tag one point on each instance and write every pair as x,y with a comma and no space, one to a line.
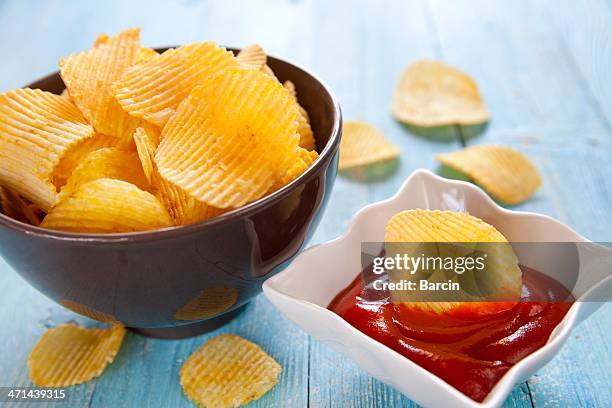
101,39
144,54
76,153
89,75
183,208
231,139
431,93
37,129
69,354
153,89
252,57
107,206
505,173
228,371
439,226
303,162
455,232
94,314
362,144
210,302
307,140
14,206
110,162
268,71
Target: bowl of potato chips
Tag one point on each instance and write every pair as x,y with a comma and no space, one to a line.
158,188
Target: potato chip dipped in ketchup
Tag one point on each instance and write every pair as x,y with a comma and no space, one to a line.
467,325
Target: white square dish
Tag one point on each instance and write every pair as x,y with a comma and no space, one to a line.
305,288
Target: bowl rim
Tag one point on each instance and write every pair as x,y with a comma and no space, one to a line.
506,383
176,231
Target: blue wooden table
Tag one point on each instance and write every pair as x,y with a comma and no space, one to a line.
544,69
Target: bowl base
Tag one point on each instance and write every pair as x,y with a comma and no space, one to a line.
189,330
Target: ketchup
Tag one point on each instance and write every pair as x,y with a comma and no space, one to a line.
470,353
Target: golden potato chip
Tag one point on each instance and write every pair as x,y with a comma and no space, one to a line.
305,159
37,129
252,57
228,371
439,226
183,208
144,54
210,302
362,144
101,39
69,354
13,205
110,162
307,140
76,153
107,205
231,139
153,89
459,229
268,71
290,86
507,174
431,93
88,311
89,75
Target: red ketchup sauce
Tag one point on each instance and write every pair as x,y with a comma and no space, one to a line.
470,351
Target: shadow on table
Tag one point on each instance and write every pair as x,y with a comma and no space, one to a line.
447,133
371,173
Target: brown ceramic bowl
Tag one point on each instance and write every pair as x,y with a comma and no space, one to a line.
182,281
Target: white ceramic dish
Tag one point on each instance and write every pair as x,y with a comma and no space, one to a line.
305,288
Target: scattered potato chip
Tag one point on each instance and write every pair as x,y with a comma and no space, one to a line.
228,371
88,311
106,206
37,129
231,139
14,206
362,144
110,162
183,208
252,57
69,354
431,93
89,75
153,89
459,229
507,174
307,140
76,153
210,302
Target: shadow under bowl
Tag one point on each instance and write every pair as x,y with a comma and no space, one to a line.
182,281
